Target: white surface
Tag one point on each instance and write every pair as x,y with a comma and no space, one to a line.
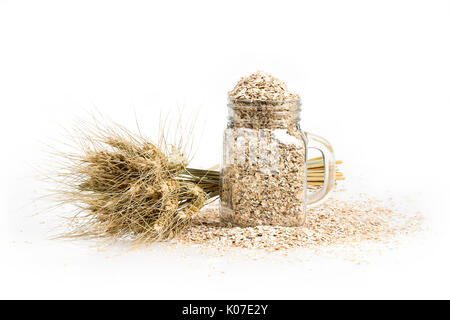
375,80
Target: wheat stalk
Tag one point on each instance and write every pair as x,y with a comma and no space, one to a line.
315,174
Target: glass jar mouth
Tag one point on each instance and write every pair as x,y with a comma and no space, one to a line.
265,102
263,113
266,106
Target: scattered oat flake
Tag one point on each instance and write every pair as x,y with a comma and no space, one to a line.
333,223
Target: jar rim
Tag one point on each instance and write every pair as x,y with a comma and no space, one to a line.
268,102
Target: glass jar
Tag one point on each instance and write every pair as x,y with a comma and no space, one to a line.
264,172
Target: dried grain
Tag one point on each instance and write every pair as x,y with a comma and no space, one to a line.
263,87
264,171
332,223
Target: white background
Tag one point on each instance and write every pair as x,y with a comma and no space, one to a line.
374,78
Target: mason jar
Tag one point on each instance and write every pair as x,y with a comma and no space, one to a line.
264,171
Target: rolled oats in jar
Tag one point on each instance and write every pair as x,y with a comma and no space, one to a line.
263,175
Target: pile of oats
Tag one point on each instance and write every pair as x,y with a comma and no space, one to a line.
264,170
332,223
263,87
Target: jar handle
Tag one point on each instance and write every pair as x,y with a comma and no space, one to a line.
324,147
